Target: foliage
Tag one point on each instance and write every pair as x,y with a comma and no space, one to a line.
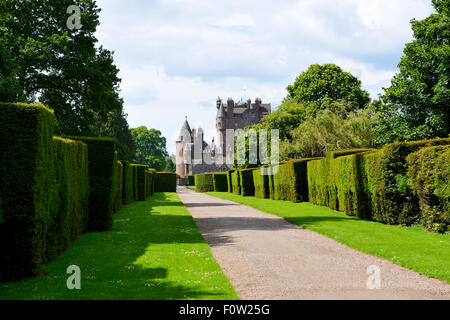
429,178
27,177
261,182
150,147
204,182
127,188
416,104
298,179
102,174
246,182
236,183
220,181
327,132
328,82
165,182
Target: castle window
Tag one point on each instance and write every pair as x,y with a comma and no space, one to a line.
235,124
253,115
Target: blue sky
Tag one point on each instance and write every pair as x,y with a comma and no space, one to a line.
176,57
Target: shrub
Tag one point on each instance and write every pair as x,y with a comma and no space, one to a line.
298,179
102,166
141,182
150,178
393,201
26,171
246,182
135,182
119,187
166,182
204,182
230,181
190,180
429,178
281,184
127,189
261,182
70,197
236,182
220,182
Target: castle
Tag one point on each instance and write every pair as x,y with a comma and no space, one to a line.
229,116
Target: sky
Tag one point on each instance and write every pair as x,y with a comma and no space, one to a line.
176,57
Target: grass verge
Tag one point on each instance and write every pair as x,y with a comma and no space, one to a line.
411,247
155,251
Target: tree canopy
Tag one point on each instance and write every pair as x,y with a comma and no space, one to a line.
416,105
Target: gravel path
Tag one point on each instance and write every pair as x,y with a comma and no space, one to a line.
265,257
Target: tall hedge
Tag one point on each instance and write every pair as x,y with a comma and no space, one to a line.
220,182
102,175
230,181
204,182
127,188
26,180
246,182
141,191
118,200
236,182
149,183
261,182
429,179
298,179
166,182
280,181
135,181
190,180
70,197
385,181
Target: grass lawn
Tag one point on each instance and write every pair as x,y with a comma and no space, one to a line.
155,251
414,247
191,187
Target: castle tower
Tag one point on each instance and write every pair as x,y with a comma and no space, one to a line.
221,127
230,108
185,137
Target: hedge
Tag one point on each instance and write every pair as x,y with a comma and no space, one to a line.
230,181
119,187
140,183
236,182
261,182
102,166
280,181
204,182
298,179
429,178
327,178
150,179
135,182
220,182
127,188
26,171
166,182
385,182
190,180
70,195
246,182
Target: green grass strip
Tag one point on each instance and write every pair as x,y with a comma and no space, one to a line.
155,251
411,247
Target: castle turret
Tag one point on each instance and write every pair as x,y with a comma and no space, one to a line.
218,102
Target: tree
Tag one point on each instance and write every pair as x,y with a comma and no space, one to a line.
416,105
43,60
170,164
322,84
150,147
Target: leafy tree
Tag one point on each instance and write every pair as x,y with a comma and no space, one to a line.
328,132
170,164
43,60
322,84
150,147
416,105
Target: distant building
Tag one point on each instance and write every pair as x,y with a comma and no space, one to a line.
229,116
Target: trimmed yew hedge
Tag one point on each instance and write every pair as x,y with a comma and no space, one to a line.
246,182
165,182
220,182
261,182
190,180
229,181
26,179
102,173
127,188
69,214
118,187
236,182
429,179
204,182
298,181
280,181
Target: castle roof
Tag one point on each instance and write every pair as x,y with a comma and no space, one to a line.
186,126
221,112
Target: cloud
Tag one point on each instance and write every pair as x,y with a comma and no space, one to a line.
177,56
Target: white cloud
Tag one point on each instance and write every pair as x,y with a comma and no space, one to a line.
177,56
